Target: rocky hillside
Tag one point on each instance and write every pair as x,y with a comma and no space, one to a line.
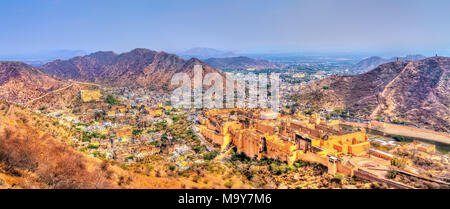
20,82
415,91
237,63
372,62
139,67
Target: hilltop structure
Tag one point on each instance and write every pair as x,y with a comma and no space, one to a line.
90,95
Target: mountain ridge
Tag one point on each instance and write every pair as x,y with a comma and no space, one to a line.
20,82
372,62
415,91
205,53
139,67
241,62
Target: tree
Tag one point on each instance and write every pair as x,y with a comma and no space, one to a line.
98,115
137,132
211,155
110,99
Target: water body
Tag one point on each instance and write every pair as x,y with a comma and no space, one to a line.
441,147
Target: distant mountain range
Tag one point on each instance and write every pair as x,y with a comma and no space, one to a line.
416,91
139,68
37,59
372,62
205,53
241,62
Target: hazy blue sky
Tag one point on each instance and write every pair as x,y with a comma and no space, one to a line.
241,25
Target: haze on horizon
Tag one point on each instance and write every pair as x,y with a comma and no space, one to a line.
375,26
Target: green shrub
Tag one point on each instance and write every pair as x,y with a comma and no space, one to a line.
195,179
211,155
199,148
110,99
93,146
172,167
399,138
153,131
391,174
299,164
398,162
229,184
240,157
154,143
338,177
278,168
136,132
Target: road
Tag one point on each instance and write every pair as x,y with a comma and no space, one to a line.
208,145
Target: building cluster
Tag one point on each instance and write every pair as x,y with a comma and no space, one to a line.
259,133
122,149
386,149
111,133
140,96
117,141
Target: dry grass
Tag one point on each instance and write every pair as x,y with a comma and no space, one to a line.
26,152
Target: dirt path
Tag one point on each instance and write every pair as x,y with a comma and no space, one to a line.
208,145
49,93
58,90
382,95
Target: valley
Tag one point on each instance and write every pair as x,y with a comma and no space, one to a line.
110,115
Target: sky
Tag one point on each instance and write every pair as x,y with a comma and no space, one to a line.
245,26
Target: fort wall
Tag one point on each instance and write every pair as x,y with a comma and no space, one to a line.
317,142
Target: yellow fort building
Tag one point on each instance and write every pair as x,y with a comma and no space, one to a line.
259,133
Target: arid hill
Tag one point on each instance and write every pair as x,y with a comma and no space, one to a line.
373,62
139,67
415,91
241,62
60,99
20,82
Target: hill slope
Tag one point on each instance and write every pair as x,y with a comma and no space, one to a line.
372,62
20,82
241,62
139,67
416,91
36,153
